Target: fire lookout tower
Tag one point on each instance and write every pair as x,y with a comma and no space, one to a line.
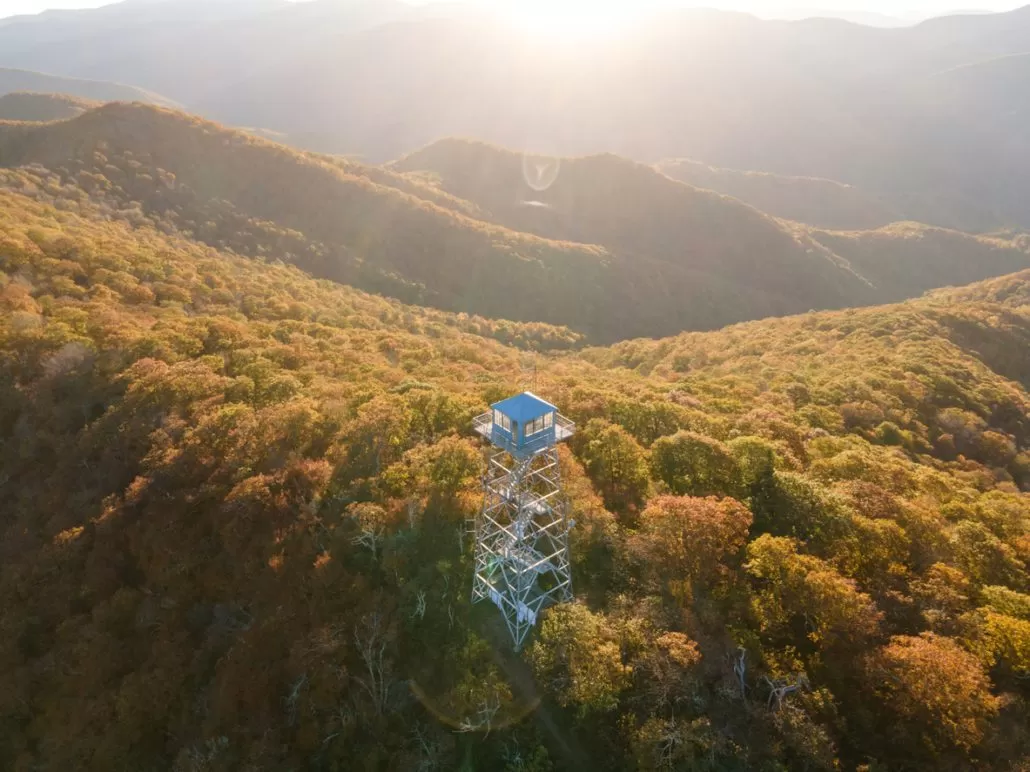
522,532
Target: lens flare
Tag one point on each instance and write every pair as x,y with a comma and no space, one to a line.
540,172
515,713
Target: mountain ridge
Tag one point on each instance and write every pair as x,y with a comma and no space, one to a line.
13,80
38,107
815,201
895,260
600,261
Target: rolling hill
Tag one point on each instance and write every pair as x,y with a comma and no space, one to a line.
818,98
29,106
627,252
631,209
238,383
817,202
899,114
234,500
92,90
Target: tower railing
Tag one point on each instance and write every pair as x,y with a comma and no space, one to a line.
563,427
484,424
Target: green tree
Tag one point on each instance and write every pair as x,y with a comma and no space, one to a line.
616,463
797,592
695,465
577,657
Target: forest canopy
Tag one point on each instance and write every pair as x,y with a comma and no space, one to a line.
235,497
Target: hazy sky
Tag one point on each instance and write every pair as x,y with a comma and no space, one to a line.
892,7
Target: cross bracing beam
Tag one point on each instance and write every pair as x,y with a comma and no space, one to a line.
521,536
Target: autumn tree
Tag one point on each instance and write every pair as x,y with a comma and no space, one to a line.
943,593
677,743
984,557
377,437
1001,640
437,472
684,538
937,695
801,594
692,464
667,669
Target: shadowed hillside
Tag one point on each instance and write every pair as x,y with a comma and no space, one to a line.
29,106
390,233
906,259
612,249
817,202
631,208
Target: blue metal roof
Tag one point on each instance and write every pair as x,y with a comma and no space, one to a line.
524,407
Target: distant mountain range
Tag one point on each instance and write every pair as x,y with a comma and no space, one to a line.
928,120
901,18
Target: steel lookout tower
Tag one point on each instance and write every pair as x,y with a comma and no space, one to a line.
522,532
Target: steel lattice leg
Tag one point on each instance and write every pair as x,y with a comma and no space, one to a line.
521,539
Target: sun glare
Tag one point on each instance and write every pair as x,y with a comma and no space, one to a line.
575,19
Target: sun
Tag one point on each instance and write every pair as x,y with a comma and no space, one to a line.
575,19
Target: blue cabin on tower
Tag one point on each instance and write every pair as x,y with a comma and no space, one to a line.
524,425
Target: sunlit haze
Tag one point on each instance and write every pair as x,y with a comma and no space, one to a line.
569,18
602,15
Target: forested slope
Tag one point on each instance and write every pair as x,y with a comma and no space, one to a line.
631,209
234,500
618,251
385,232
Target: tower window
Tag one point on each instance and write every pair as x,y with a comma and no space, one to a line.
500,419
537,425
